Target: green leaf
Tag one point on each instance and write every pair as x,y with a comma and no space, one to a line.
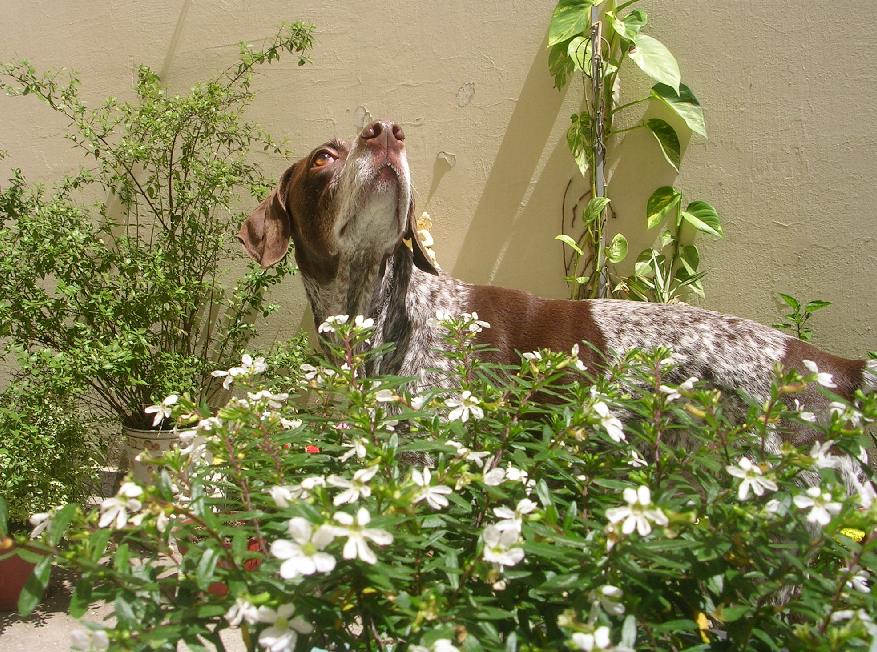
579,50
655,60
80,599
791,301
59,522
662,201
667,139
570,17
629,27
684,104
4,516
689,257
35,586
704,218
816,304
617,249
570,243
206,567
595,208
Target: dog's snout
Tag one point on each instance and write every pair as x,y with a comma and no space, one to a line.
392,133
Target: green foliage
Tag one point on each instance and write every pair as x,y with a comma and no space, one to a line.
481,517
666,271
796,320
48,452
128,295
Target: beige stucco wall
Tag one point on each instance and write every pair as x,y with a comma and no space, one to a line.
788,88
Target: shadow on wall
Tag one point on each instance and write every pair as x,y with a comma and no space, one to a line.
638,169
516,211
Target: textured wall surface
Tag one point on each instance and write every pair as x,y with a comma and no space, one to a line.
789,94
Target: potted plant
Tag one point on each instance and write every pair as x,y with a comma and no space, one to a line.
48,457
140,295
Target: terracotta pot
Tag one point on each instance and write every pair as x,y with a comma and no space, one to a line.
14,572
151,442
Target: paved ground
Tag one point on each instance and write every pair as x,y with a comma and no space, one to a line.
48,628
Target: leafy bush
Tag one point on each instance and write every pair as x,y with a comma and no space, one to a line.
48,454
131,294
514,511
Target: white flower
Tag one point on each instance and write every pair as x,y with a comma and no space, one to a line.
809,417
598,640
464,406
821,458
417,402
776,507
356,446
163,410
845,412
441,645
274,401
355,488
513,474
514,519
476,457
636,460
820,504
533,356
385,396
242,610
357,533
611,423
636,514
40,521
290,424
283,633
822,377
860,582
209,424
499,546
607,597
89,640
494,477
751,479
302,555
249,365
433,495
472,323
114,511
331,322
283,495
363,322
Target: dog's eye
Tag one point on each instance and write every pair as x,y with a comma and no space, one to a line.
323,158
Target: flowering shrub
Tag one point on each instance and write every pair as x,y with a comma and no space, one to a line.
518,509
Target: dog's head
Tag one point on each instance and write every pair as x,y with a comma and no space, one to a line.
339,201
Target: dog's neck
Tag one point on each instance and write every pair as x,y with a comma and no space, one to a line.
402,299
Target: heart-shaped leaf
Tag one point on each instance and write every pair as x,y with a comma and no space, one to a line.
667,139
655,60
664,200
617,249
684,104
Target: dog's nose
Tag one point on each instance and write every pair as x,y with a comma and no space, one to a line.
390,130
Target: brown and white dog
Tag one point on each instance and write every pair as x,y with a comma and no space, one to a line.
347,210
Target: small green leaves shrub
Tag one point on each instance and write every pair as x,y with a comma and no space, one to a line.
133,294
516,509
48,455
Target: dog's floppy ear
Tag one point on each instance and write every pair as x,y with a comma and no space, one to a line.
265,233
422,254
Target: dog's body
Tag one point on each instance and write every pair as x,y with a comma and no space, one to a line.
348,211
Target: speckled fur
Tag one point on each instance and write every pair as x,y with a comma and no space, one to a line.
730,352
